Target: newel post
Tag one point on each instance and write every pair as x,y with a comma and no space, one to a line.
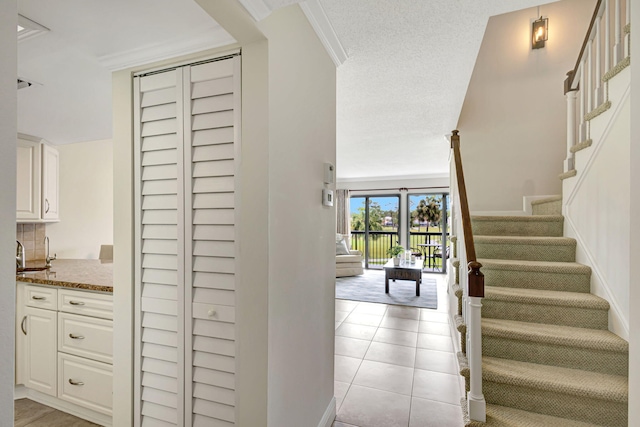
571,96
477,406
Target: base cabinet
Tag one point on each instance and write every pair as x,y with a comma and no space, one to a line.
64,345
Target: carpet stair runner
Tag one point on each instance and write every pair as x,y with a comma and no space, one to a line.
548,357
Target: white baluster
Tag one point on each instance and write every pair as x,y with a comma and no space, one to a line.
571,129
607,36
627,37
477,406
588,84
582,134
617,35
598,64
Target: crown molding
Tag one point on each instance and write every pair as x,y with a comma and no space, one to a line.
208,39
30,29
320,22
393,178
258,9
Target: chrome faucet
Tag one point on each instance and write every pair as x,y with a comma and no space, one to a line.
20,256
48,259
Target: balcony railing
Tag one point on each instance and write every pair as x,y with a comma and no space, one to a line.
379,243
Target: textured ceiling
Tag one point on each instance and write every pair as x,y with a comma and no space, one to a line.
402,88
72,101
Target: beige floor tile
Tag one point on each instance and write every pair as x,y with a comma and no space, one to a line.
341,315
396,336
398,323
364,319
384,376
427,413
391,353
404,312
367,407
27,411
339,424
345,368
436,386
429,315
338,324
60,419
340,391
370,308
434,328
352,330
435,342
351,347
345,305
438,361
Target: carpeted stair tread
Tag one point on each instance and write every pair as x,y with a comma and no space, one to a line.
535,266
525,240
543,297
575,382
503,416
521,225
595,339
549,199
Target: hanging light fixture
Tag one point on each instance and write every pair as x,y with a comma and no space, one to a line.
539,32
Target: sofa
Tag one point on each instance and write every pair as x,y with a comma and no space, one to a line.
348,262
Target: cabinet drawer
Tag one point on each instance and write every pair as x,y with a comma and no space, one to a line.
85,382
86,337
41,297
85,303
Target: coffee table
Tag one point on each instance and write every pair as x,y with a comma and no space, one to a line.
404,271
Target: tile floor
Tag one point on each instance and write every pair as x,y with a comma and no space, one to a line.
32,414
395,366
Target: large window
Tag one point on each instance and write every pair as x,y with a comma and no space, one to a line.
428,230
375,227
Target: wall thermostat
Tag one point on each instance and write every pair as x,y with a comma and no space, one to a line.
327,197
329,173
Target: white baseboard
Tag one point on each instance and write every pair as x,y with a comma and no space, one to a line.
329,415
21,392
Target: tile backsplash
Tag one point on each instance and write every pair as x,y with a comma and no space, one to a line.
32,237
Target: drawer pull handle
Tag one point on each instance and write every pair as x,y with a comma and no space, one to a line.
76,337
37,298
72,382
76,303
24,320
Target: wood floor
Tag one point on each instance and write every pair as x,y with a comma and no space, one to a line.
32,414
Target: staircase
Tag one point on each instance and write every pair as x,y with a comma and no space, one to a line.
548,357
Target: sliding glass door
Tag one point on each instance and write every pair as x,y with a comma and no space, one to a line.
375,227
428,230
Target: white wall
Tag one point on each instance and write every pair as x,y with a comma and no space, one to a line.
634,235
513,121
436,183
86,200
8,132
302,132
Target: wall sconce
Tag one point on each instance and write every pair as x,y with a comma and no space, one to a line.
539,32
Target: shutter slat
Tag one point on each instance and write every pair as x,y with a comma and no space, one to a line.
214,394
214,232
214,201
222,297
219,249
163,277
160,321
214,281
214,346
159,412
212,88
160,367
222,313
211,71
159,112
204,421
213,136
206,153
213,168
159,97
215,378
156,336
164,217
167,247
212,104
214,361
162,262
160,382
158,81
160,142
160,127
167,201
222,184
160,352
214,265
164,186
214,409
159,157
159,306
150,173
207,328
154,290
163,232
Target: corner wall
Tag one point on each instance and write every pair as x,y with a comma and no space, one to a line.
302,137
513,120
86,200
8,141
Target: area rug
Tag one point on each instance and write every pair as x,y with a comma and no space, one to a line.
369,287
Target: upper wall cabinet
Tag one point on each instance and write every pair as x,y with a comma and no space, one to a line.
37,181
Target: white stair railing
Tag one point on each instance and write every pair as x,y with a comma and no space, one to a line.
604,53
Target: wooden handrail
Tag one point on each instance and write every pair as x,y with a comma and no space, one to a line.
476,278
571,75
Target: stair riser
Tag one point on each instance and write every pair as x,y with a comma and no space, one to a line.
517,228
586,409
549,314
549,208
615,363
562,253
537,280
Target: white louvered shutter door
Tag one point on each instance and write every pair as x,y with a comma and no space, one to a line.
187,154
210,150
159,248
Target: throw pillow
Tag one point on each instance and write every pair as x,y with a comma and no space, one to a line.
341,248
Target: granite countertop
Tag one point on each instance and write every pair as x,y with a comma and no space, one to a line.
86,274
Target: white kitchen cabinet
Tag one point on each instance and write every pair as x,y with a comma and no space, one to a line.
37,181
64,348
39,327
